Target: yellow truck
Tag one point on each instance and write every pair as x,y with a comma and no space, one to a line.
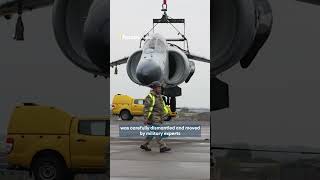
127,107
53,145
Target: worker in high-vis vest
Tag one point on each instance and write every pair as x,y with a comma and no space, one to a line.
155,111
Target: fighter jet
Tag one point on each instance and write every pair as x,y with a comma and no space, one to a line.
160,61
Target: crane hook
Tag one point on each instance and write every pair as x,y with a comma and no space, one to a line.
164,6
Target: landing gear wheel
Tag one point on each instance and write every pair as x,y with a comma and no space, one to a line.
173,104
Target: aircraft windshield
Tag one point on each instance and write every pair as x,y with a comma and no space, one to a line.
156,44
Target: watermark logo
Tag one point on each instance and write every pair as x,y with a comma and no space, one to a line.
131,37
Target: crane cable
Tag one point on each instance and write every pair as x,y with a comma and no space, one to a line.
147,34
164,8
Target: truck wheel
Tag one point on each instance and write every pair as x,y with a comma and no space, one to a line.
131,117
126,115
49,167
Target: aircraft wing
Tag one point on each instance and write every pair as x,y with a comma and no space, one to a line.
197,58
119,62
9,7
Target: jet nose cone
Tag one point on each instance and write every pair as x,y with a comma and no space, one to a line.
149,72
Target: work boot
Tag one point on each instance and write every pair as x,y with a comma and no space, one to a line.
145,147
164,149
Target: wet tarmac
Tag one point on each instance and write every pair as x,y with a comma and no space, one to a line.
189,158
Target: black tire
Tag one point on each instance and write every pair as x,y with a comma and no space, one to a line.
130,118
173,104
50,167
126,115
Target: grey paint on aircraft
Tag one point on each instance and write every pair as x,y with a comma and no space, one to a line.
276,100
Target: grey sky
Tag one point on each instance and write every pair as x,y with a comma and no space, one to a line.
277,100
36,71
134,18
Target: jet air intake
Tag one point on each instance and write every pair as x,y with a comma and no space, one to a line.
179,68
82,32
172,71
240,28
